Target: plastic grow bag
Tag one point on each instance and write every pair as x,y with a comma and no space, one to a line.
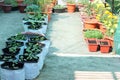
46,48
12,74
31,70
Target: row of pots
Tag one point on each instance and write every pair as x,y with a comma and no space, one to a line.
95,45
31,45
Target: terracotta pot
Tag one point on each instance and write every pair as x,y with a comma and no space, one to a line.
105,46
102,28
71,8
92,45
90,24
110,39
7,8
19,1
22,7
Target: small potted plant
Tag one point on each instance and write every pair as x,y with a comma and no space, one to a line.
17,37
4,57
104,46
91,39
33,8
12,68
14,50
7,7
14,43
70,5
31,64
19,1
59,9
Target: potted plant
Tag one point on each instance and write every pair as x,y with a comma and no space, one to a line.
14,43
14,50
14,5
33,25
12,68
31,65
88,33
92,45
59,9
22,6
91,37
1,3
38,38
4,57
104,46
19,1
33,8
71,6
7,7
17,37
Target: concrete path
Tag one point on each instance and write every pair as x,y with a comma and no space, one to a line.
65,32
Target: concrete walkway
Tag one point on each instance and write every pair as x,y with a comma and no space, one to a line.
65,32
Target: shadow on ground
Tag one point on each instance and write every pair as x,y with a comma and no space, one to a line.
63,68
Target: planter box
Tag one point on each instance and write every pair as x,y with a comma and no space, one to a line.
92,45
104,46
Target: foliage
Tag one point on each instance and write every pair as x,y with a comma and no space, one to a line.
85,2
29,2
7,1
13,3
93,34
33,8
109,20
35,17
116,5
70,1
59,7
14,43
28,58
89,8
17,37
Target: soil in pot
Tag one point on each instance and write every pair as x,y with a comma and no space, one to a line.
4,57
92,45
14,43
11,51
17,37
28,58
105,46
12,65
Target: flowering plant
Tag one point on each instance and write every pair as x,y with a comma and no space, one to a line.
109,20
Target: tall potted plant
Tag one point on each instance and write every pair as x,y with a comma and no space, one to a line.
71,6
